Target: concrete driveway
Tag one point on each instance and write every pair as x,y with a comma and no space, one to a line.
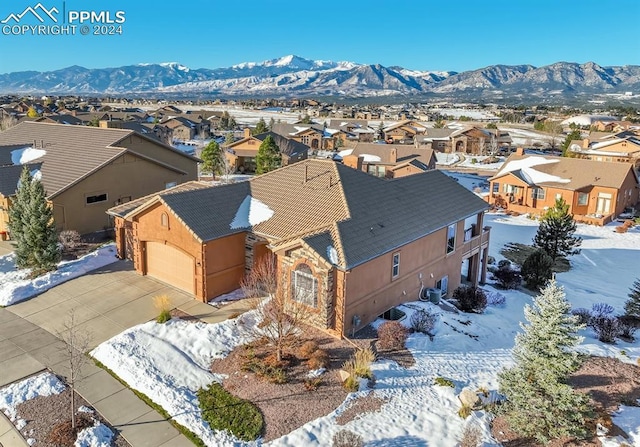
104,302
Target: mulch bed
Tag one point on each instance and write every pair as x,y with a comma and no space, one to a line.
608,381
288,406
45,413
367,336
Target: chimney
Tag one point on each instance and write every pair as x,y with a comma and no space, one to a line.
359,163
520,151
247,132
393,155
585,143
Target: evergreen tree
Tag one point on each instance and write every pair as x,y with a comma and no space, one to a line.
632,306
439,124
555,233
272,123
261,127
268,157
228,138
572,136
212,162
306,119
537,269
34,228
539,403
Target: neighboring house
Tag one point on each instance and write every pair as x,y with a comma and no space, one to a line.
242,153
403,132
86,170
354,130
60,119
314,136
438,139
349,246
596,192
389,160
185,129
621,147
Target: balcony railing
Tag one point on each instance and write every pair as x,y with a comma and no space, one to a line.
476,243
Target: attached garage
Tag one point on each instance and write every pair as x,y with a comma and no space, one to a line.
170,265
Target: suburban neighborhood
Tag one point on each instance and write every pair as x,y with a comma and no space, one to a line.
424,233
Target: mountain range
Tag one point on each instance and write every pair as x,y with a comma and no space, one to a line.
294,76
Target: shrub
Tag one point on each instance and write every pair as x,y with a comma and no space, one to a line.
423,321
537,269
601,310
224,411
622,228
627,328
351,384
584,315
470,299
70,239
507,277
471,436
606,328
360,363
319,359
307,349
163,305
495,298
312,384
465,411
264,370
444,382
392,335
346,438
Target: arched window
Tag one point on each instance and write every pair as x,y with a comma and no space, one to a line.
164,220
304,286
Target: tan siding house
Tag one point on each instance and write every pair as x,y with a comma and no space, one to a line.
87,170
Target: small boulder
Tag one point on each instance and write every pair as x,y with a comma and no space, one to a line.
470,398
344,375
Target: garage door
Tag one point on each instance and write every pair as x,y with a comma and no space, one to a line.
171,265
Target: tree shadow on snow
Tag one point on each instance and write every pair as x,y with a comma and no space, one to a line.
404,441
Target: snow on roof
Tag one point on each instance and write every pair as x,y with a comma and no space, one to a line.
251,212
371,158
345,152
587,120
526,165
301,128
26,155
332,254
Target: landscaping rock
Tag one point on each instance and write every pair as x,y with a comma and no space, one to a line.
470,398
344,375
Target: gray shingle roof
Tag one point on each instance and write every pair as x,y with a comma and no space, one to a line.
9,176
325,203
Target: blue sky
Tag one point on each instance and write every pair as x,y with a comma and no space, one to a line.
420,34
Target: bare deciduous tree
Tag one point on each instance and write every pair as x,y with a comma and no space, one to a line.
77,343
7,121
279,317
493,144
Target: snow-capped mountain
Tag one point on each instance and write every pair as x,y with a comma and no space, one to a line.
295,76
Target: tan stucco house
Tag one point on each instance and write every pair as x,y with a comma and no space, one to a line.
349,246
242,154
389,160
596,192
86,170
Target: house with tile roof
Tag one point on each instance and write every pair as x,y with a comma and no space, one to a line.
596,192
86,170
242,154
619,147
348,245
389,160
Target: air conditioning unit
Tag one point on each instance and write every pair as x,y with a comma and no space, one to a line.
435,295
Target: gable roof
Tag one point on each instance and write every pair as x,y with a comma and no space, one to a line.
287,146
564,172
72,152
316,201
404,153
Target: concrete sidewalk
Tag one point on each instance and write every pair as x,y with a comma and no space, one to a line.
105,302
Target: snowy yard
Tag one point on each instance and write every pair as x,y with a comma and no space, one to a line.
468,349
15,285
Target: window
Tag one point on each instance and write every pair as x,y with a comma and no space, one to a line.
451,238
583,198
496,187
305,286
443,285
164,220
96,199
376,170
538,193
170,185
395,271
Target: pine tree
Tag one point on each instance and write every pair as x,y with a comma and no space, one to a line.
555,234
212,162
268,157
261,127
271,124
537,269
632,306
34,228
572,136
540,404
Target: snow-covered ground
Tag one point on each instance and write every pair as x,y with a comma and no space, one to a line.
476,162
15,285
446,159
468,349
527,138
